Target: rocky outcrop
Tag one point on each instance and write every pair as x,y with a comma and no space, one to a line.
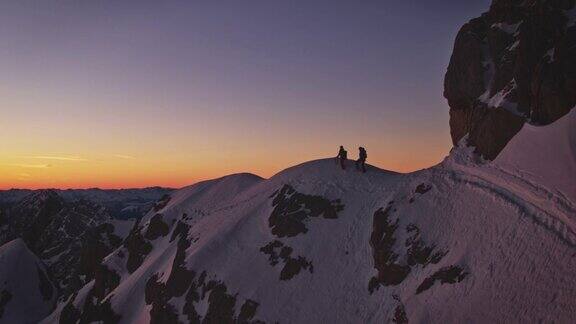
514,64
278,252
394,262
292,210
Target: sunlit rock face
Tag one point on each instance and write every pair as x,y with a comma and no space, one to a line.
514,64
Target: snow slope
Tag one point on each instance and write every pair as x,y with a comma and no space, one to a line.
545,155
460,242
26,293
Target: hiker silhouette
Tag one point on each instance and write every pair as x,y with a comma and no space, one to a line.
361,162
343,156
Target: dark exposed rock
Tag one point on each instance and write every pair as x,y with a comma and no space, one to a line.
69,314
106,231
96,307
520,51
184,282
382,240
193,296
105,281
155,294
96,244
189,310
292,210
221,305
5,297
489,130
138,248
156,228
423,188
293,267
451,275
247,311
46,288
99,312
270,250
393,267
162,202
180,277
181,229
106,314
418,252
277,251
400,316
158,294
373,285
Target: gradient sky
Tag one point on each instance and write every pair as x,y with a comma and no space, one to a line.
139,93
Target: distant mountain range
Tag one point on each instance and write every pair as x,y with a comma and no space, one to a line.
119,203
70,231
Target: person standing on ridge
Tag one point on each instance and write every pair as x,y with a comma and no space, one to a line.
361,162
343,156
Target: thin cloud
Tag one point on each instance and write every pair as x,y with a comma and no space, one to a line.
23,177
123,156
31,166
59,158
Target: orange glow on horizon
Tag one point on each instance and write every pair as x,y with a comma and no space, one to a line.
100,147
179,170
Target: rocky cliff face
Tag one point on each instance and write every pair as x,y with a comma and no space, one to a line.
70,237
514,64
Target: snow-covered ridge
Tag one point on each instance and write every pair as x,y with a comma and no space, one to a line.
321,244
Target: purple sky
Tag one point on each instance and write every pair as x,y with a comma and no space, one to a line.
250,76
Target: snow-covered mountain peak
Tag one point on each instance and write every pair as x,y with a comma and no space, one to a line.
328,171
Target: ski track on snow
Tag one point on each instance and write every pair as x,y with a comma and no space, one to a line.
556,216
